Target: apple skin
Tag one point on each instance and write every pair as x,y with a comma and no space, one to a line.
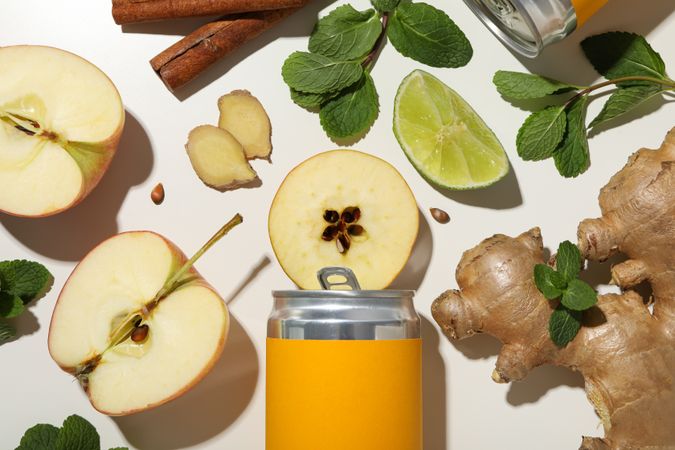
179,259
100,160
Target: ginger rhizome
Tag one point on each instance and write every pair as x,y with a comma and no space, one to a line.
625,355
638,220
625,352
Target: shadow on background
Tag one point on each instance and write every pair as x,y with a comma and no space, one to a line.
412,275
434,393
205,411
504,194
541,380
70,235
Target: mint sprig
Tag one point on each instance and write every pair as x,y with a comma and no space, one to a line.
21,282
626,60
334,76
563,283
76,433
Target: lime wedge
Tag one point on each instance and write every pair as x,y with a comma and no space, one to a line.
443,137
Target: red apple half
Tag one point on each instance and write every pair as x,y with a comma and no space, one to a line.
61,119
131,346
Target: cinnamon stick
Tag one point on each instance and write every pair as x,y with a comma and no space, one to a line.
133,11
190,56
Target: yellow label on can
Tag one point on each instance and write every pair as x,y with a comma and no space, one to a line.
584,9
344,395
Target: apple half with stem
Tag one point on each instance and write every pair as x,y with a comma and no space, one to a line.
61,119
136,324
344,208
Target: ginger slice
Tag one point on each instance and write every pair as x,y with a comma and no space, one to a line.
218,158
244,116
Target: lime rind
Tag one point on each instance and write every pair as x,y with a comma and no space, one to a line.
443,137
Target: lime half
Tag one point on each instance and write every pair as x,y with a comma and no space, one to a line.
443,137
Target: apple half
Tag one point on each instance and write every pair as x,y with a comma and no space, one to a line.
343,208
61,119
136,324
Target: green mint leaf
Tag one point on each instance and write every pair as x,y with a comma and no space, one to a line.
39,437
572,157
351,113
311,101
346,33
77,434
318,74
563,325
620,54
548,281
523,86
541,133
23,278
579,296
7,332
385,5
623,100
10,305
428,35
568,261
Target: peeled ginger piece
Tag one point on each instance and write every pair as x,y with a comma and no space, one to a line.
242,115
218,158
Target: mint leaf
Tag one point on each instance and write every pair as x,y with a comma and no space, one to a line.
548,281
10,305
523,86
568,261
564,325
541,133
346,33
428,35
620,54
385,5
7,332
579,296
77,434
318,74
623,100
353,112
311,101
39,437
23,278
572,157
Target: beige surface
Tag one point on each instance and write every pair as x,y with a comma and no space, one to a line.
464,409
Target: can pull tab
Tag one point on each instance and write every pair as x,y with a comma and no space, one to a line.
346,278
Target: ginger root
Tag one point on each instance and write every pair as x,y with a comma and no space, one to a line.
638,220
625,355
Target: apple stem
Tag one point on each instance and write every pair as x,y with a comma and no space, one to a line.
173,282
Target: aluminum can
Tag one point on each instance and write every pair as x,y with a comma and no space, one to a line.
344,369
527,26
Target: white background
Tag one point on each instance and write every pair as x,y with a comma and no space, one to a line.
464,409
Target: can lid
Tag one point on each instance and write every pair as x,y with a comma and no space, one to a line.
341,282
352,314
526,26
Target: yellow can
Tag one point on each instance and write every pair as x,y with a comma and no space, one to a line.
344,370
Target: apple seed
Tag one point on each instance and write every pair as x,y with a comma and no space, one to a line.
157,194
140,333
331,216
439,215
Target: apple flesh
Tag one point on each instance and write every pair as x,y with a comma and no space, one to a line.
344,208
61,119
136,324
